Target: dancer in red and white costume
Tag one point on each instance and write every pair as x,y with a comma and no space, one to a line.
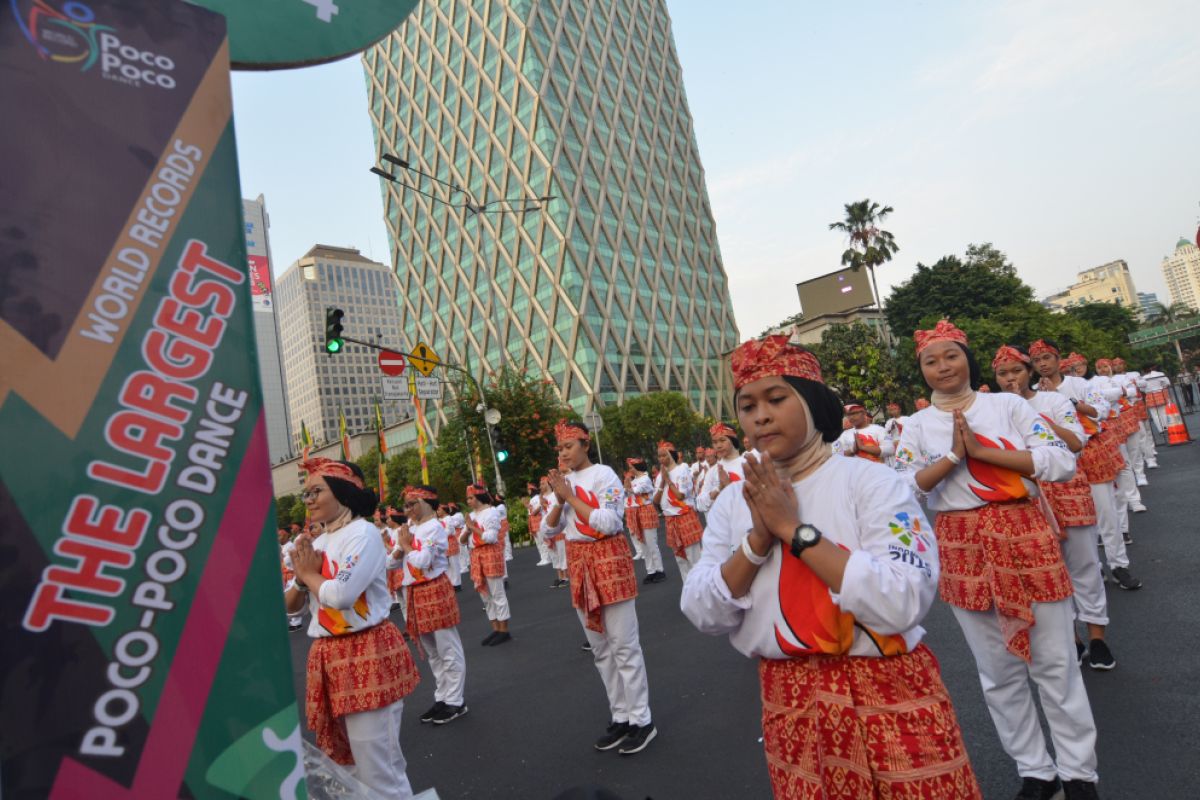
728,468
1116,428
976,457
556,544
698,467
431,608
822,568
588,510
864,438
1072,506
674,494
641,511
483,533
452,520
893,426
533,506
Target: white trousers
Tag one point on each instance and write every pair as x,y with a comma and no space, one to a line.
464,559
507,548
1082,558
1137,454
1148,445
453,569
558,554
692,551
497,600
1160,417
1127,490
651,554
618,656
1055,670
1105,498
444,650
542,548
639,549
375,743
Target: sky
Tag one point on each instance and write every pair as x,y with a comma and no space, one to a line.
1064,133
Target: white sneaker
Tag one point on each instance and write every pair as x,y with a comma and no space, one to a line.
637,557
1151,465
543,563
1143,482
1137,509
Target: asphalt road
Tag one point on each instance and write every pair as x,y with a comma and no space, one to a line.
536,703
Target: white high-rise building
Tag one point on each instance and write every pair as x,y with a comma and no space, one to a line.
319,384
266,329
1182,272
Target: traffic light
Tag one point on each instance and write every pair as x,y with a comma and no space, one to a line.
498,445
333,330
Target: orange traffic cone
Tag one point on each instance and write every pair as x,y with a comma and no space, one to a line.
1176,430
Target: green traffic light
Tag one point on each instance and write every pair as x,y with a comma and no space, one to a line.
334,346
502,455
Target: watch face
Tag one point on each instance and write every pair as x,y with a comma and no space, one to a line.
808,534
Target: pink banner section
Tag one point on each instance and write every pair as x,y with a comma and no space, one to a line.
180,708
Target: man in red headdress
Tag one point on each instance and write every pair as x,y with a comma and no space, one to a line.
893,427
864,439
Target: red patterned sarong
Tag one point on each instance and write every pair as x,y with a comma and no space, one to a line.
648,517
395,579
1100,460
683,531
851,727
634,522
430,606
1071,501
487,561
535,523
452,545
1001,554
351,673
601,575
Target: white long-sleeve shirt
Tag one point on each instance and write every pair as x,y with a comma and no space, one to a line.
671,506
735,468
1059,410
998,420
1109,391
869,434
889,582
600,488
1080,390
489,519
427,559
355,594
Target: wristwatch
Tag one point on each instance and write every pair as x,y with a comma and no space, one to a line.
804,537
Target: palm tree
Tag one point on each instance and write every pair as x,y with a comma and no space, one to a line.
1162,314
870,246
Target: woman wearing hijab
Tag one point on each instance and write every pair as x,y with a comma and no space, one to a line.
976,458
822,568
359,669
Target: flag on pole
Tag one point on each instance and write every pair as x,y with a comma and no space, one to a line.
344,434
421,440
306,440
382,453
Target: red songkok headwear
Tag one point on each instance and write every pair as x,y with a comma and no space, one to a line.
852,407
1074,359
1103,362
772,356
720,429
476,490
565,432
1010,353
1039,347
328,468
944,331
414,493
665,445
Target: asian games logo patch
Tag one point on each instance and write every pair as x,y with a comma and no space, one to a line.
71,34
908,530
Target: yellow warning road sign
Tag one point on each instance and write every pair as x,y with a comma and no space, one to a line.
423,359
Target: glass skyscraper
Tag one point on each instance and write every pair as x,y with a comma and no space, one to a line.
617,287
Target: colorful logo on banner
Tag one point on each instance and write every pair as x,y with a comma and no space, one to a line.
70,33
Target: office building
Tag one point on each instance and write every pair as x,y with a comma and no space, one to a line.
266,329
617,287
1109,283
319,384
1147,304
1181,270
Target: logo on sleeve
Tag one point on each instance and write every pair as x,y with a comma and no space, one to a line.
910,532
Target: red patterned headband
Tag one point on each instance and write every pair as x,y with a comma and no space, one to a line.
565,432
476,491
1009,353
944,331
415,493
1071,360
1040,347
1103,362
664,445
328,468
772,356
850,409
721,429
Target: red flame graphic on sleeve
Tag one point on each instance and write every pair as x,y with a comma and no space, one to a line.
591,499
330,618
999,484
814,622
863,438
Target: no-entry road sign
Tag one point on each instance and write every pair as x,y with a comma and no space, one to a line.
391,363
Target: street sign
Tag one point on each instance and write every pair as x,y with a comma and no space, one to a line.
423,358
391,363
428,387
394,387
593,420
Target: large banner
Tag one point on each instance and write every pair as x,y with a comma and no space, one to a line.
143,650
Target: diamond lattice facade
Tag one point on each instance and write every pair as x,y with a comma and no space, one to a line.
617,287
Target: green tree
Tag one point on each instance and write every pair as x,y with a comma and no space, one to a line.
1162,314
1106,317
635,427
299,512
976,287
857,365
283,509
870,246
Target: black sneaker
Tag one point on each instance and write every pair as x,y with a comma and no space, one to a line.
649,578
1038,789
1128,539
299,626
458,588
615,734
1080,790
1080,652
637,739
449,713
1124,579
587,647
501,638
432,713
490,638
1099,656
660,577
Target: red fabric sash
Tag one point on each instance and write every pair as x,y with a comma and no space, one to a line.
683,531
601,575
